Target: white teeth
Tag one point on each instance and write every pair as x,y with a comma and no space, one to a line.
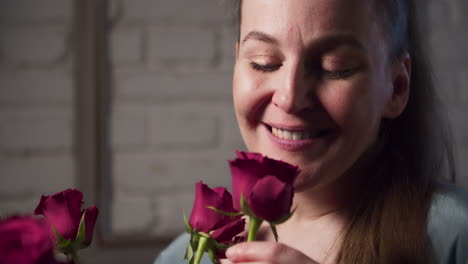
291,135
297,135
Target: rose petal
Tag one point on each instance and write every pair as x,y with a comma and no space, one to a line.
25,240
63,211
40,207
244,175
91,214
271,199
204,219
282,170
250,156
225,234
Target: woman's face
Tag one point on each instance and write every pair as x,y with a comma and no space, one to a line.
311,83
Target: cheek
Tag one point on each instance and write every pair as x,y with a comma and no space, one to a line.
250,96
351,106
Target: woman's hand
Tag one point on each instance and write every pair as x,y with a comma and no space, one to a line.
266,253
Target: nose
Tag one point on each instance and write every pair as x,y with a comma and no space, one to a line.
293,94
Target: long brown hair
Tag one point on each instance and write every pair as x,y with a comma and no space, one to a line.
389,223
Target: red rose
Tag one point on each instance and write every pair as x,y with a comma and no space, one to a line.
228,235
203,219
220,230
25,240
266,184
63,211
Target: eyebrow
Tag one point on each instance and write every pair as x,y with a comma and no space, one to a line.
260,36
329,40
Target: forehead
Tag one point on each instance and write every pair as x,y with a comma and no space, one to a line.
309,19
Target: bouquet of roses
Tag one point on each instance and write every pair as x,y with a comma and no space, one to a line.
58,227
262,190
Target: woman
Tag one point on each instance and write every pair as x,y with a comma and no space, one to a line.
341,89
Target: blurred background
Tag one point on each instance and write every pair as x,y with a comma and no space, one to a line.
130,101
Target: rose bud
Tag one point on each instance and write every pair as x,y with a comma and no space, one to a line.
227,235
63,212
25,240
210,228
204,219
266,185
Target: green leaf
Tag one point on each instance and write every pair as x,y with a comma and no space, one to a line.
64,245
232,214
60,239
81,235
219,245
275,233
187,225
189,253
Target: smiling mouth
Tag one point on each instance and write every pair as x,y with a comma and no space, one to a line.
295,135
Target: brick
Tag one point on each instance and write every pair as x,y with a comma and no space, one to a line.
151,86
184,126
169,212
33,45
128,126
131,214
229,39
38,87
18,206
181,11
179,44
31,9
36,175
231,137
154,172
126,46
36,130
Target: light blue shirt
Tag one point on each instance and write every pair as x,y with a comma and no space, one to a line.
447,230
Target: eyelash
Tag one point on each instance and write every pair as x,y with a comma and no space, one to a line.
264,68
341,74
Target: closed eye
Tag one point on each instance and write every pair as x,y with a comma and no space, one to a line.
264,67
341,74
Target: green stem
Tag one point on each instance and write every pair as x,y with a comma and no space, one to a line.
254,225
201,249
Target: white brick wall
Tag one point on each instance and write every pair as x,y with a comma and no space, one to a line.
176,11
186,44
147,86
30,10
127,45
132,215
36,102
42,129
24,176
172,106
35,87
36,45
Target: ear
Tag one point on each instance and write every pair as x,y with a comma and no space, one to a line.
401,79
237,49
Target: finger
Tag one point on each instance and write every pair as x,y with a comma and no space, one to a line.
265,252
